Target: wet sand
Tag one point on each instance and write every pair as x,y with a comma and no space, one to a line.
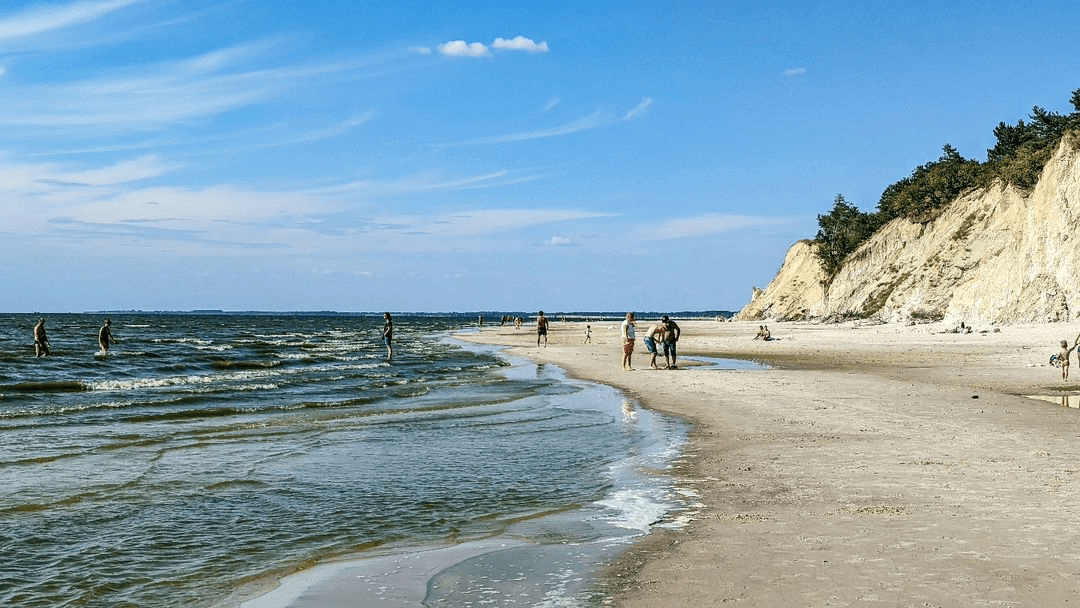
870,465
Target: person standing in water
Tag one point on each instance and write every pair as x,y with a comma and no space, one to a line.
388,335
41,341
105,336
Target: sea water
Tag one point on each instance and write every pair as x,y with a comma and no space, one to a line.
209,456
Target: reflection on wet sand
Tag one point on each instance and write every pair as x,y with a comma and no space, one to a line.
1072,401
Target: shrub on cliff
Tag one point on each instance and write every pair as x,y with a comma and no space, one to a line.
840,232
930,187
1017,158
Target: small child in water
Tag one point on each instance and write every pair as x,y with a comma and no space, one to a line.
1063,356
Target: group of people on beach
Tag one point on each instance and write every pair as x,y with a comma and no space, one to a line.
666,333
41,339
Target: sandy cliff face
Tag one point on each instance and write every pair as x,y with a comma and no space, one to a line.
993,256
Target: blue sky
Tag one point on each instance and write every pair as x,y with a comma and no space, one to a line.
457,156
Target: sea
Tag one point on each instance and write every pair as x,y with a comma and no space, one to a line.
216,460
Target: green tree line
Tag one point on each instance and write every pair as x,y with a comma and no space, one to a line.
1017,158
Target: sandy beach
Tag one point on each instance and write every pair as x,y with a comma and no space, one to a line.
868,465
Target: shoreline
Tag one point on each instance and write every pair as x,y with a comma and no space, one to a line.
539,558
871,463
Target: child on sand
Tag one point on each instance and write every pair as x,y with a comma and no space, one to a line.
588,334
1063,356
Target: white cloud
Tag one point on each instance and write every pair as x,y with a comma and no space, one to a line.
460,48
120,173
794,71
520,43
473,223
639,110
706,225
552,103
592,121
558,241
48,18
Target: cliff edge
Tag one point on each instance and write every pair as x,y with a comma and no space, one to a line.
994,256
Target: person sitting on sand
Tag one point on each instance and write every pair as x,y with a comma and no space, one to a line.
763,333
654,334
1063,356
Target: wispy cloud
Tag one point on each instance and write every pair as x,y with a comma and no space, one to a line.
474,223
427,182
794,71
320,134
706,225
120,173
592,121
639,110
45,19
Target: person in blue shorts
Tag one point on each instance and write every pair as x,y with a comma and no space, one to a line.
654,334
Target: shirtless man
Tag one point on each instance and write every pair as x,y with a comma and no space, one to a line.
41,341
104,336
654,334
541,329
671,336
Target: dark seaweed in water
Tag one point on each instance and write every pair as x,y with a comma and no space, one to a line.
207,451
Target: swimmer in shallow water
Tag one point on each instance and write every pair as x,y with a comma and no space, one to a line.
41,341
105,336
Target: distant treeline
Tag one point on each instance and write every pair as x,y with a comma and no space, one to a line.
1017,159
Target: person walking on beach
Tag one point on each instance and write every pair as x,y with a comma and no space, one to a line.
627,333
41,341
388,335
541,329
104,336
654,334
671,336
1065,354
588,333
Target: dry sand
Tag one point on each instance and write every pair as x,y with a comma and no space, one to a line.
871,465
